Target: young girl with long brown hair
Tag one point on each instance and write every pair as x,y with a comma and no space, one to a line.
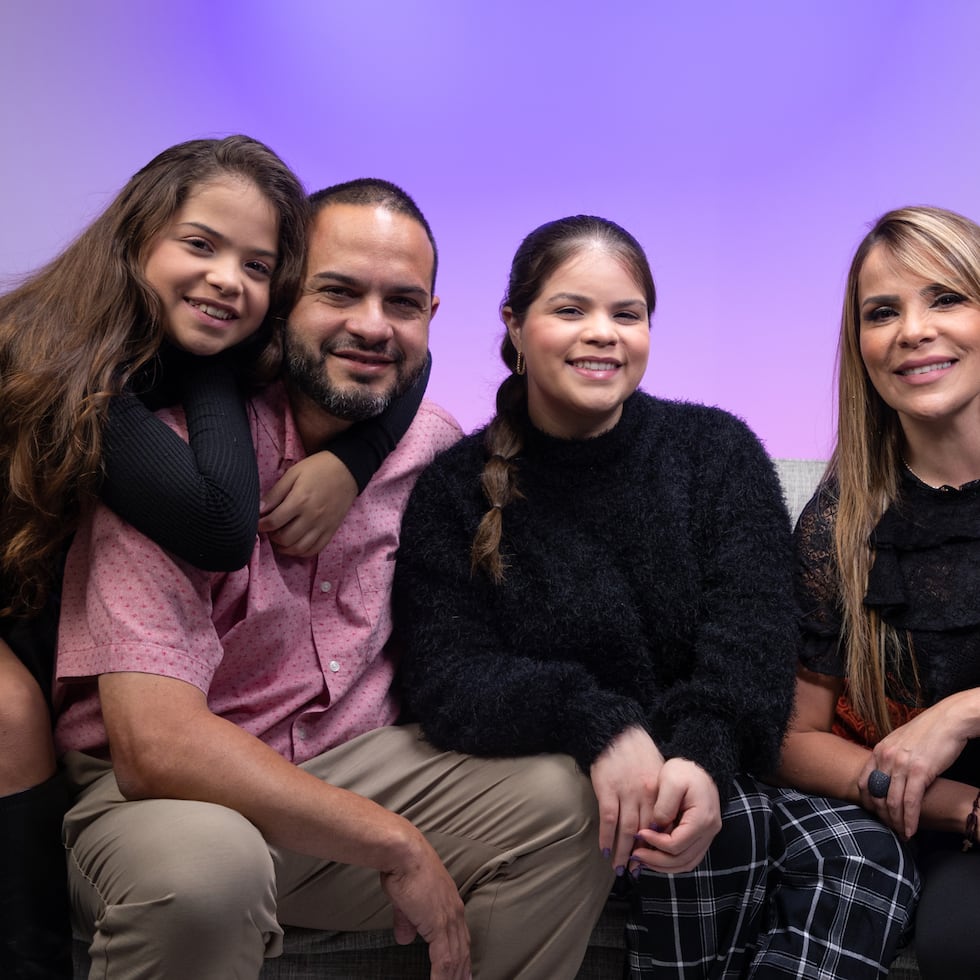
170,295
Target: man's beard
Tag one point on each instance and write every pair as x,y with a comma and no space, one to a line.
354,403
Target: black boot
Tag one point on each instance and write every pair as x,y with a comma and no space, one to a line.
35,936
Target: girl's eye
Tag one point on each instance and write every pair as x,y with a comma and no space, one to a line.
260,267
201,244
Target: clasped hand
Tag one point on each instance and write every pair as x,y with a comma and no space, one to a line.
660,814
912,756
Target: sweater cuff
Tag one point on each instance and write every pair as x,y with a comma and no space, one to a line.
609,716
711,744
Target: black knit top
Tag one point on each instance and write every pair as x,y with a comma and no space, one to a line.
924,582
647,583
200,499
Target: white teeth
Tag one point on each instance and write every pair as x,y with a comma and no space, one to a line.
927,368
595,365
215,311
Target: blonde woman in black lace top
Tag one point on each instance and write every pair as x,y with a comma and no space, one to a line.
888,693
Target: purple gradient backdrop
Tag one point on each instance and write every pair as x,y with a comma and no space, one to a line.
746,145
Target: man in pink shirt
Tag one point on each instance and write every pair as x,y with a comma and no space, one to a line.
231,734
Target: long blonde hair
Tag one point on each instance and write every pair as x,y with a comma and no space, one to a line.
866,461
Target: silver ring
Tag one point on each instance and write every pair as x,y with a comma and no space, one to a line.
878,783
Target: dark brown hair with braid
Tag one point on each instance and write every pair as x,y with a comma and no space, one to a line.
539,256
73,334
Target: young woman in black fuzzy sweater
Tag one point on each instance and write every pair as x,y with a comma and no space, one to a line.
606,574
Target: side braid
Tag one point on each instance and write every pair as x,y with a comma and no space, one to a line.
504,441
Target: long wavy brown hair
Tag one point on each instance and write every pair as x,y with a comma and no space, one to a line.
73,333
944,247
539,256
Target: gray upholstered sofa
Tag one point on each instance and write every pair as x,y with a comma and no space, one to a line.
313,955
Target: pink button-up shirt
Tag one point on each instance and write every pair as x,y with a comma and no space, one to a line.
293,650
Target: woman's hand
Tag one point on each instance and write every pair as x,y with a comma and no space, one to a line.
914,755
303,510
686,819
625,778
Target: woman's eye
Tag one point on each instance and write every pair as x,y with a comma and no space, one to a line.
880,314
949,299
201,244
568,311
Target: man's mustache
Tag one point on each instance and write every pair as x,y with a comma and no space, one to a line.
354,346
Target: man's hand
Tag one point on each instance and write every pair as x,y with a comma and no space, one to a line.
426,902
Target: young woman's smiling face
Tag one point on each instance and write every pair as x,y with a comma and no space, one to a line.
585,341
212,265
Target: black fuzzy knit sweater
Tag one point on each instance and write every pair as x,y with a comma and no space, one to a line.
647,583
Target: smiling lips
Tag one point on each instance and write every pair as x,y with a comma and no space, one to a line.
590,365
924,368
215,312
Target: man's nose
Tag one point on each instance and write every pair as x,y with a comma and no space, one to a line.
370,322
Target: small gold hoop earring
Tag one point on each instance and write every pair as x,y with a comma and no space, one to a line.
520,367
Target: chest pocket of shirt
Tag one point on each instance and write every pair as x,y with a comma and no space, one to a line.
371,606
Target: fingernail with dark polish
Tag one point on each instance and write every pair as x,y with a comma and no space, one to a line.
620,871
606,853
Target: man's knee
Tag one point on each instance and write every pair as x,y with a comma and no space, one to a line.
187,868
560,794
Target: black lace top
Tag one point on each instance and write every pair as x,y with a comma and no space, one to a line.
925,582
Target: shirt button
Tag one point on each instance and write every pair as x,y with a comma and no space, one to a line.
324,586
334,666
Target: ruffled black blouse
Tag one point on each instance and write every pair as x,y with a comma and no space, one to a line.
925,582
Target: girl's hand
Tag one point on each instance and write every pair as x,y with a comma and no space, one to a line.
625,780
686,819
914,755
303,510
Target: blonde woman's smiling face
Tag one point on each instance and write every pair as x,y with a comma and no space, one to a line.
920,343
585,340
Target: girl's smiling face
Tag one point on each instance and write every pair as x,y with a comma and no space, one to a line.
585,340
212,266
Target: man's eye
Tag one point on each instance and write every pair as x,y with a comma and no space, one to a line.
405,302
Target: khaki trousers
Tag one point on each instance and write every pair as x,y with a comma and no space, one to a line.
191,891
